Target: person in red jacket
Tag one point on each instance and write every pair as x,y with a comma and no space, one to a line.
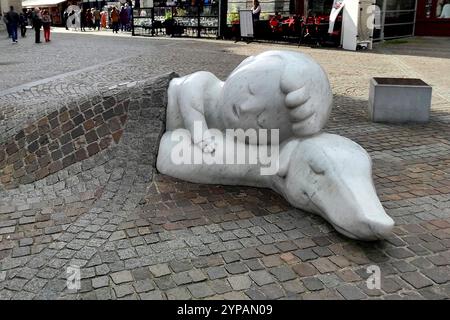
46,23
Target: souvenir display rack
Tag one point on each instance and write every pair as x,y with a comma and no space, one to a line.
185,18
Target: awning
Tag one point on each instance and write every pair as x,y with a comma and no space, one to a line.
41,3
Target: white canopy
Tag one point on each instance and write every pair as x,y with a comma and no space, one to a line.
40,3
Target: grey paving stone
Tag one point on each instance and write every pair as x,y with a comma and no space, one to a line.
254,264
230,257
294,286
283,273
197,275
126,253
399,253
351,292
182,278
236,268
141,273
227,236
100,282
165,282
102,269
286,246
403,266
255,294
180,266
312,284
305,254
267,249
178,294
272,291
159,270
417,280
121,277
390,285
143,286
20,252
440,275
240,282
249,253
216,273
261,277
200,290
152,295
322,251
220,286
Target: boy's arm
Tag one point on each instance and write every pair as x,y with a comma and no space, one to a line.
191,107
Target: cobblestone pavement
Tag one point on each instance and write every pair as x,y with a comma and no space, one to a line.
137,234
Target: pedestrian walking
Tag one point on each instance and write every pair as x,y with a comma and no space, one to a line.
83,20
97,18
103,19
46,24
23,22
37,24
130,15
13,22
89,18
123,19
65,18
115,20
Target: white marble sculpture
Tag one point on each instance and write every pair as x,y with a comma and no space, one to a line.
274,90
318,172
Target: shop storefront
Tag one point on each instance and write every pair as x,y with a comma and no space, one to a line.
302,21
433,18
397,19
55,8
194,18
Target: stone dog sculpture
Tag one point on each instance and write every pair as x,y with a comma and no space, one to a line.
322,173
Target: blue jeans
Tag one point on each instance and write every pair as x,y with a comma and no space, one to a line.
13,30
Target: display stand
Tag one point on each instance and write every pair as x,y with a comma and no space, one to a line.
181,18
246,25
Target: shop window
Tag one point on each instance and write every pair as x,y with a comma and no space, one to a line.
320,7
399,17
442,9
400,4
428,8
393,31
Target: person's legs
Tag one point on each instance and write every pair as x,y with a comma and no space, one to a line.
14,33
23,30
37,37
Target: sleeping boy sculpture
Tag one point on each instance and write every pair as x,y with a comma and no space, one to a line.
318,172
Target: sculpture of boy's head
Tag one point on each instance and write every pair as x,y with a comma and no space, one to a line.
282,90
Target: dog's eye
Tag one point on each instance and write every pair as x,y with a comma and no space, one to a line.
316,168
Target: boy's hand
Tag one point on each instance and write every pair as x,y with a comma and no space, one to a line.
207,145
